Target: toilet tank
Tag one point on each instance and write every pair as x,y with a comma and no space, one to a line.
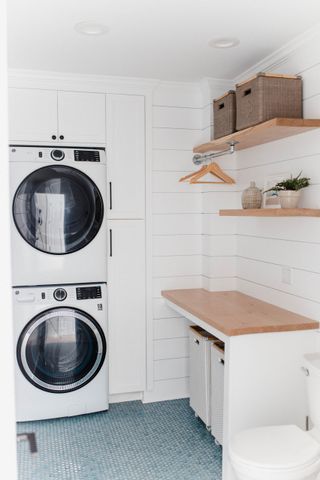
312,369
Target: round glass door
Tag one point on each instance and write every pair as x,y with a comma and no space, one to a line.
61,350
58,209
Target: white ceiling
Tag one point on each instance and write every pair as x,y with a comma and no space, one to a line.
164,39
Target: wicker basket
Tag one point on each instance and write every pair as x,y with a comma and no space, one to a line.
267,96
224,110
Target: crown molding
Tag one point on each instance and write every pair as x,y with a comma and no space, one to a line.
279,56
31,78
78,82
26,73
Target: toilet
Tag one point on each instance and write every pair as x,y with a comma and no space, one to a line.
282,452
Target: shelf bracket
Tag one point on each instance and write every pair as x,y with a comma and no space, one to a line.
199,158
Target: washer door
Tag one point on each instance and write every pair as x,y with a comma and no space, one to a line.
58,209
61,350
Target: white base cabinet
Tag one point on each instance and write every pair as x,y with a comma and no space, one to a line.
126,299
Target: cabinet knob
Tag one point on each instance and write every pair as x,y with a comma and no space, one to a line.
54,137
61,137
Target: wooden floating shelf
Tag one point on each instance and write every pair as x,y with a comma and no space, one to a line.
271,212
265,132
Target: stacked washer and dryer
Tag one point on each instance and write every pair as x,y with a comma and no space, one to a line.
59,265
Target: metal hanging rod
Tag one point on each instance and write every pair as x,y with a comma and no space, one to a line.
199,158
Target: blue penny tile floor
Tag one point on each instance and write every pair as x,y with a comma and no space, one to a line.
132,441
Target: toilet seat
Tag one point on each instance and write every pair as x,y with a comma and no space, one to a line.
279,452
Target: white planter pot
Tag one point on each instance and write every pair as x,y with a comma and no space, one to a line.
289,198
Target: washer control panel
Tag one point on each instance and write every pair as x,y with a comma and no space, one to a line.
51,294
85,293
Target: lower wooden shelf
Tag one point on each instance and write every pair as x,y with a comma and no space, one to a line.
271,212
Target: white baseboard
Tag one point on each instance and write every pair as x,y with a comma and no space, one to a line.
125,397
172,389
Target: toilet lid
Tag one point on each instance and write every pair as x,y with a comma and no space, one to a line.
285,446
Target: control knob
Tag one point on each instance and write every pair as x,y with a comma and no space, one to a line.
57,155
60,294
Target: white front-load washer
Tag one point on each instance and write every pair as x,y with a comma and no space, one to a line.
61,366
59,232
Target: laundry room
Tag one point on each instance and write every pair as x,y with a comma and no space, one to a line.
160,219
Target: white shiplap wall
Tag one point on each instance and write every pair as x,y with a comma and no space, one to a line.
176,232
192,246
218,234
266,246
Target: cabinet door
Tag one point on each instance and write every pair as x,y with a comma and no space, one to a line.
126,305
126,156
32,115
81,117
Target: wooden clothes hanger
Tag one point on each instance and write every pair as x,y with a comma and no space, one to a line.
183,179
213,169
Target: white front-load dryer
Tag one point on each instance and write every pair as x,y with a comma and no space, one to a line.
61,366
59,232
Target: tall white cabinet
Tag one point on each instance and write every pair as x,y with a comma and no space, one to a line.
126,155
126,223
126,303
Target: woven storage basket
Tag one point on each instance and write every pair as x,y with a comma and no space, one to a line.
224,110
267,96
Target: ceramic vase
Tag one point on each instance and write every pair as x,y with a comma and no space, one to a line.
289,198
251,197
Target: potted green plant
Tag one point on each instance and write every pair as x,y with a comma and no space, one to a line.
289,190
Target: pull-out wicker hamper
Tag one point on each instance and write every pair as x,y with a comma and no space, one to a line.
200,369
224,110
267,96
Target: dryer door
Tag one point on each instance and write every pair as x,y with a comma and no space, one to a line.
61,350
58,209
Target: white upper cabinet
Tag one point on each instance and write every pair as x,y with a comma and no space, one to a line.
32,115
50,116
81,117
126,156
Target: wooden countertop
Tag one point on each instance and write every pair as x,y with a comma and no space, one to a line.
234,313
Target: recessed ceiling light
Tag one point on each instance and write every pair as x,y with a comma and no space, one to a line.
90,28
225,42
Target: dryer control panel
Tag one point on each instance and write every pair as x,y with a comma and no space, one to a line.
87,155
43,155
84,293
